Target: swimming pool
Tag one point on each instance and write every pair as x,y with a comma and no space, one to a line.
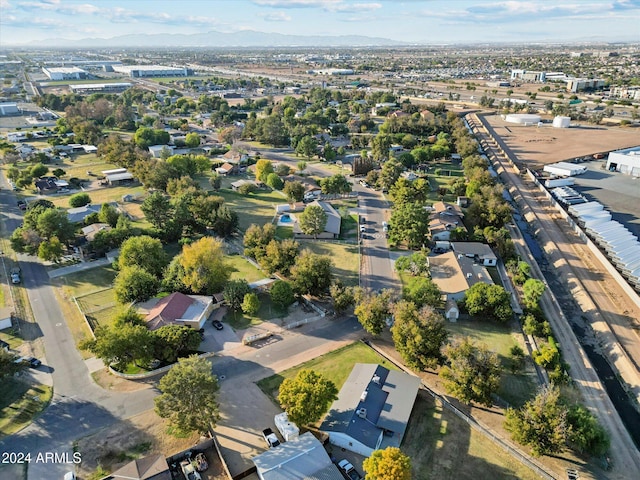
285,218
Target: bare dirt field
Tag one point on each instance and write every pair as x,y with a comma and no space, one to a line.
536,146
139,436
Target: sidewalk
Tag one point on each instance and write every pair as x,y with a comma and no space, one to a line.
79,267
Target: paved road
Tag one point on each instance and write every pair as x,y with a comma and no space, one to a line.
626,457
79,407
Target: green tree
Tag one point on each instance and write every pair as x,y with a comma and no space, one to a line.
215,181
294,191
79,200
282,294
38,170
274,181
251,303
172,279
173,341
585,433
157,209
306,397
234,293
145,252
422,291
302,165
490,300
540,424
533,290
192,140
409,223
53,222
279,256
188,398
311,274
108,214
8,365
206,272
120,344
390,173
472,372
418,335
342,296
256,239
335,184
51,250
313,220
387,464
263,169
373,310
135,284
307,147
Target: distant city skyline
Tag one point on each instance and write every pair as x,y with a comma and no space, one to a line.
27,22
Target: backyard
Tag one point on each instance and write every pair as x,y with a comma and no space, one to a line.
20,403
345,258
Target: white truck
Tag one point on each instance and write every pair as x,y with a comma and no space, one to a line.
288,430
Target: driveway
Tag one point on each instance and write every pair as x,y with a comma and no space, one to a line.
219,340
245,411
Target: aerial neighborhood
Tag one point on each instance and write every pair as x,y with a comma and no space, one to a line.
291,263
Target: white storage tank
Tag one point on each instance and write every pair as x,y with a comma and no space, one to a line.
523,118
561,122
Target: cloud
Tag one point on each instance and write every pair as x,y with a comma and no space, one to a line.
297,3
276,17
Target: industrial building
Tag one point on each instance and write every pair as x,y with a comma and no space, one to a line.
625,161
99,87
65,73
580,84
525,76
136,71
561,122
9,109
564,169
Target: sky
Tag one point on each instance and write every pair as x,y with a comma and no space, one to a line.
411,21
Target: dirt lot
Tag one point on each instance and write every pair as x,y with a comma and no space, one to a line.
142,435
535,146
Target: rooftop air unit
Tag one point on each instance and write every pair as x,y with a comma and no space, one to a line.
361,412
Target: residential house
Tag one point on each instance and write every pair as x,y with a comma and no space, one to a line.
178,309
455,273
46,185
427,115
331,229
234,157
398,114
235,186
90,231
152,467
444,218
118,176
301,458
372,410
156,150
77,215
479,252
226,169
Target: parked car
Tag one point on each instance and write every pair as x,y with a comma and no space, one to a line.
69,476
348,470
22,205
201,462
29,361
270,438
15,276
217,324
363,228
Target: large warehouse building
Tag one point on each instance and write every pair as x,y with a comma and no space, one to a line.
625,161
64,73
135,71
9,109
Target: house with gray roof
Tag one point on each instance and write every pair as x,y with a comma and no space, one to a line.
331,229
78,214
372,409
301,458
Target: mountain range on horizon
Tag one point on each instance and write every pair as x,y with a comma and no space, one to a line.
245,38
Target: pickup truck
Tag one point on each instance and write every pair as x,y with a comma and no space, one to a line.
270,438
189,471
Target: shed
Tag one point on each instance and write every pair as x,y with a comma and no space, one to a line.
451,310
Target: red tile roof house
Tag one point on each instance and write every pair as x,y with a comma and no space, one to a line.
180,309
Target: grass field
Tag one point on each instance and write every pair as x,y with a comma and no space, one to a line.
515,389
94,293
240,321
241,268
87,281
345,258
10,335
20,403
258,208
336,365
443,446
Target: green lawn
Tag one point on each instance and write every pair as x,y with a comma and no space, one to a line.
92,280
349,227
10,335
336,366
20,403
258,208
515,389
268,311
345,258
284,232
242,268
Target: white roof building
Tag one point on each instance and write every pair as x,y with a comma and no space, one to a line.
136,71
626,161
64,73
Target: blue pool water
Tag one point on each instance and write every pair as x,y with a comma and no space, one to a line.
285,218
